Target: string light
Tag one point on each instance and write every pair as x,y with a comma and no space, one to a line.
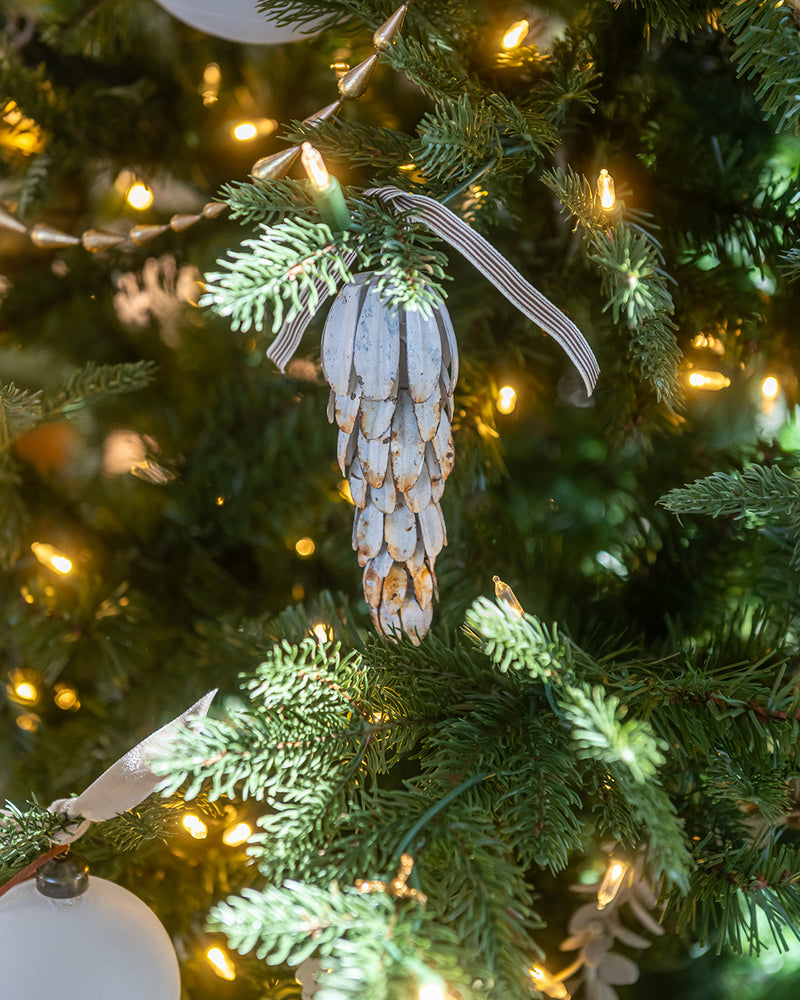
506,596
305,547
220,962
344,491
29,722
220,501
248,130
707,343
66,698
430,991
298,592
325,190
315,168
139,196
710,380
606,194
209,88
50,556
770,387
549,984
615,875
236,835
506,399
322,632
22,686
195,826
516,34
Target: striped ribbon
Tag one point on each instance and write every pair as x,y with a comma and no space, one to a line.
506,278
288,339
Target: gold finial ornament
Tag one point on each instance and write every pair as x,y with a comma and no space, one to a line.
180,222
270,168
385,35
324,114
506,596
144,233
43,235
9,221
98,239
354,84
213,208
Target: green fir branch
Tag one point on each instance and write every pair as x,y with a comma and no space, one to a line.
267,203
275,267
94,382
765,49
378,147
633,281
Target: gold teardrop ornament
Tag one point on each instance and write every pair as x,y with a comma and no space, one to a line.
324,114
213,208
180,222
43,235
385,35
9,221
270,168
98,239
354,84
141,234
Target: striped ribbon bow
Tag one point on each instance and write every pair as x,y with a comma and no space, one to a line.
485,258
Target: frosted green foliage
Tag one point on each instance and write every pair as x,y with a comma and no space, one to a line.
759,494
514,643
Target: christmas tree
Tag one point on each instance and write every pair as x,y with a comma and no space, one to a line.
266,302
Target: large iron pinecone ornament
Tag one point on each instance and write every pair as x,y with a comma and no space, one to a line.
392,373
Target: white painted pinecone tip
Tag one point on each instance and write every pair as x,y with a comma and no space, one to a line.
392,375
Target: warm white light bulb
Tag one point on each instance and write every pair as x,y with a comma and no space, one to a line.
516,34
710,380
139,196
305,547
770,387
221,963
315,167
245,131
507,399
48,555
234,836
195,826
605,190
430,991
322,632
612,882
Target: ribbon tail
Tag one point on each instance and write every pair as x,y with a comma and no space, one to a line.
281,350
503,275
127,782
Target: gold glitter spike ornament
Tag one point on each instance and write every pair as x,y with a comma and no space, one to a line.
270,168
354,84
385,35
9,221
97,239
49,237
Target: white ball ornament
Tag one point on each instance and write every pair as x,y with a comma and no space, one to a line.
234,20
70,935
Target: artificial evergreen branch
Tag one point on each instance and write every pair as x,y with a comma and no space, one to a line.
633,280
765,48
26,832
92,383
760,494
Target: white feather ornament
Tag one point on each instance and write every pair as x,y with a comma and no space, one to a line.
392,373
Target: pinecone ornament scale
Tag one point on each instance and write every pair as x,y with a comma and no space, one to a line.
392,372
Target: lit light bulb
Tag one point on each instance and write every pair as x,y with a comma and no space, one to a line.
506,399
613,879
516,34
245,131
430,991
139,196
66,698
195,826
220,501
506,596
315,167
26,692
605,191
547,983
305,547
209,88
29,722
709,380
770,387
234,836
50,556
220,962
322,632
344,491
